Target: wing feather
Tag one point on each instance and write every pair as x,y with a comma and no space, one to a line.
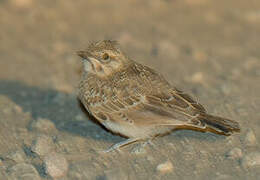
145,105
144,110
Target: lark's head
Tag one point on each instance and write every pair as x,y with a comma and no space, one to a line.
103,58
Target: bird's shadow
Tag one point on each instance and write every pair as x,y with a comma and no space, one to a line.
62,109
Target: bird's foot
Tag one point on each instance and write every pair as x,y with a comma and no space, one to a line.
140,148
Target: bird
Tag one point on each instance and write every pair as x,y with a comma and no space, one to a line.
135,101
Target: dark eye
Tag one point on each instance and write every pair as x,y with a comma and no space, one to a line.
105,56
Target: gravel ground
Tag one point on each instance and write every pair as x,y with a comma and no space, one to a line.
210,49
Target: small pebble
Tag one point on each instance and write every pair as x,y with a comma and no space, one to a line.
56,165
43,125
250,139
251,160
80,117
198,77
235,153
17,156
18,109
23,171
43,145
165,167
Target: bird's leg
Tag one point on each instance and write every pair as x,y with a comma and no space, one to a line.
121,144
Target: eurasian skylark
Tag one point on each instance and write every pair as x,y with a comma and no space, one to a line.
135,101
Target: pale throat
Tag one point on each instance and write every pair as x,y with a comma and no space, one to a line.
99,69
88,67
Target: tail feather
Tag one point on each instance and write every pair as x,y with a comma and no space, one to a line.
218,124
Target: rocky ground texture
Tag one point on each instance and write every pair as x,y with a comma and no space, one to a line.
210,49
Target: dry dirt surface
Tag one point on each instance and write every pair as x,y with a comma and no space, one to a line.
208,48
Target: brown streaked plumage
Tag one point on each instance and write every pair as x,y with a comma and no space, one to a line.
135,101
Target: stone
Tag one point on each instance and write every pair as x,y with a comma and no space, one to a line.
80,117
251,160
165,167
43,145
56,165
235,153
23,171
198,77
18,109
250,139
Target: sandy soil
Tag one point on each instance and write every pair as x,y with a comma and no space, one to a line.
208,48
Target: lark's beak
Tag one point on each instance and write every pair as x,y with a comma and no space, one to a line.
85,55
